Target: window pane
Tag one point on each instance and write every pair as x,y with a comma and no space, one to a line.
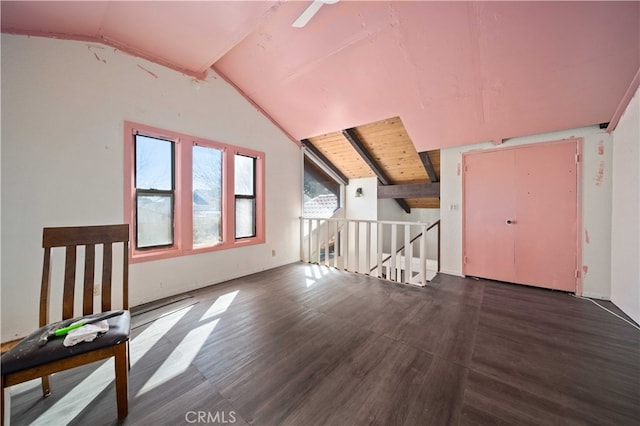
154,163
207,196
245,217
321,192
244,181
155,219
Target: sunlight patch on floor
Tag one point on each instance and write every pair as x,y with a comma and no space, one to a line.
181,357
314,272
221,304
311,274
73,403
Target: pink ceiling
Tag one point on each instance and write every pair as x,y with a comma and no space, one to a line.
189,36
455,72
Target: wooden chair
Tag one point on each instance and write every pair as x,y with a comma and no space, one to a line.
29,359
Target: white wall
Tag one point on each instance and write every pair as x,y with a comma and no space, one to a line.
596,204
365,207
625,224
362,208
63,107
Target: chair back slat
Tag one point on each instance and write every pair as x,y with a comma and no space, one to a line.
83,235
44,288
89,278
125,281
69,282
87,237
107,261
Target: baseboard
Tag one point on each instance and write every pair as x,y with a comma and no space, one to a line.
628,311
595,296
455,274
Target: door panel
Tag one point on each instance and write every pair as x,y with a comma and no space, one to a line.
488,240
535,188
546,215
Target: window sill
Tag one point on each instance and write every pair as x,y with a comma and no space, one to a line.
139,257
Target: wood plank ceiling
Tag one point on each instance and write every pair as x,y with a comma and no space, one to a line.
390,146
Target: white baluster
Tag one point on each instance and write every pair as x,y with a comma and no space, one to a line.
407,253
423,255
392,270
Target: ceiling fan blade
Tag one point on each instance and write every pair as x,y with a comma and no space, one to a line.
304,18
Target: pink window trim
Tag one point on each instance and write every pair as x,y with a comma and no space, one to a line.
183,216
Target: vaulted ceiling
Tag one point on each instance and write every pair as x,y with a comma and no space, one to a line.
390,151
454,72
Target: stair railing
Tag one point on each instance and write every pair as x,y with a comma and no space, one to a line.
368,247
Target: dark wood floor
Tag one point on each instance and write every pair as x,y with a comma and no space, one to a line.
305,345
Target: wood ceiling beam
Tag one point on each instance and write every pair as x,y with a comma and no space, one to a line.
410,190
428,166
357,144
307,144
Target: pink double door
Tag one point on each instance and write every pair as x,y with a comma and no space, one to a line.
520,215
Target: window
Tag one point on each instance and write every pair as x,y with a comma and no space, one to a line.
187,195
321,191
207,195
245,196
155,192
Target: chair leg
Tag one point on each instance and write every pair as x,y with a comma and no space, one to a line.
128,354
2,412
122,380
46,387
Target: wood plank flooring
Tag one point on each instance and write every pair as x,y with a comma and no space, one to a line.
309,345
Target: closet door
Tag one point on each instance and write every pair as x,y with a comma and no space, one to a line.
520,215
489,202
546,215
